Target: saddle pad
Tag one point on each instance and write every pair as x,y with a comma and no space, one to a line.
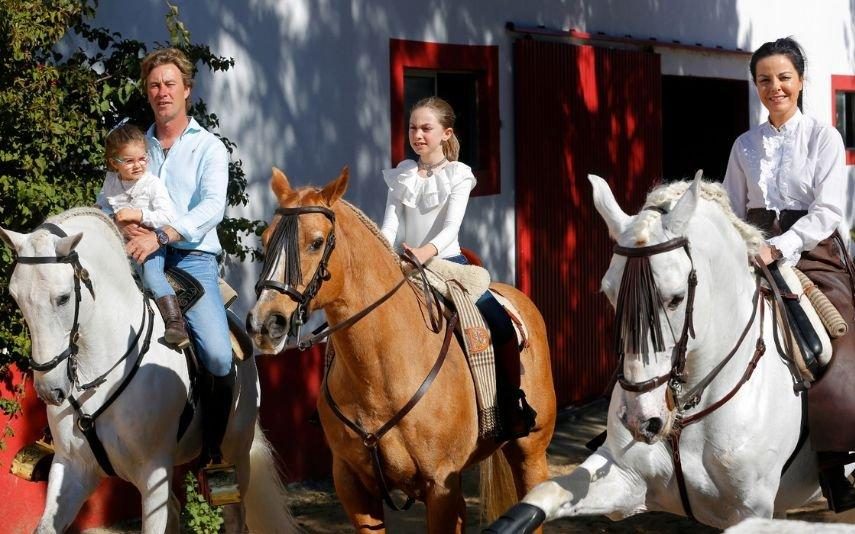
475,280
516,318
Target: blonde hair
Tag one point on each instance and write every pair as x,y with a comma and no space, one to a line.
119,138
165,56
445,116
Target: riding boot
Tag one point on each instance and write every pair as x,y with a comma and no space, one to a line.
176,332
217,478
836,487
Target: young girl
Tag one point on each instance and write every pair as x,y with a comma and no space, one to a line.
132,195
427,198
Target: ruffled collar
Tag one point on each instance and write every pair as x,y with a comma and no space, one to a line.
413,191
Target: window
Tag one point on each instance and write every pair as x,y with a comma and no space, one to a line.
843,112
467,77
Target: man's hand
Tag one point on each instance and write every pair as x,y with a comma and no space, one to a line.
142,244
129,215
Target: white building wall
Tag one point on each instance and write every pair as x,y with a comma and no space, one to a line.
310,89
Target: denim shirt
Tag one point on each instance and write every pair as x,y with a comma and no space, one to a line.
196,174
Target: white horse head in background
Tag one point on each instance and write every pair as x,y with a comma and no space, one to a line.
96,353
687,378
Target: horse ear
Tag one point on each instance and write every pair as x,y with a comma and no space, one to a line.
279,183
677,220
13,240
607,207
335,189
66,244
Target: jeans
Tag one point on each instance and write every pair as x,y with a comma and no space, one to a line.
207,318
152,275
501,327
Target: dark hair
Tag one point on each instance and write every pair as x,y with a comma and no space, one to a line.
445,116
118,138
785,46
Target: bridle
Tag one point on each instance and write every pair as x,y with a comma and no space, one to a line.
86,421
285,239
81,276
285,242
633,327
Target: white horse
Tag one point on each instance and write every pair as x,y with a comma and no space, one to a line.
735,440
89,322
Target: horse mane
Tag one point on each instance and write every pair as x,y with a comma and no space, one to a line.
86,211
373,228
667,194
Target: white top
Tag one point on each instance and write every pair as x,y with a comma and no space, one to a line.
148,194
427,210
801,166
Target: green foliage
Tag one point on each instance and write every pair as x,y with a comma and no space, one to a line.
198,517
55,111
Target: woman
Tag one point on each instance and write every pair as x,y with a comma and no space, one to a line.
788,177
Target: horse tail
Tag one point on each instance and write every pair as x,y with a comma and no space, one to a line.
498,492
265,499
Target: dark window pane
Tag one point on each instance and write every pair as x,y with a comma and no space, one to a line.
840,119
417,85
849,120
460,90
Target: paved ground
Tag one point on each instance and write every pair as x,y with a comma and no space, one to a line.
317,510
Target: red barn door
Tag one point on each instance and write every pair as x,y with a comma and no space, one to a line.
579,110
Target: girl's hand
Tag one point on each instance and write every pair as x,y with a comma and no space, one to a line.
423,253
129,215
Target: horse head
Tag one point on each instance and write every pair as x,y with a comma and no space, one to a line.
298,245
675,263
46,285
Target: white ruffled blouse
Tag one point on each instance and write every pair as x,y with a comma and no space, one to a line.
801,166
422,210
148,194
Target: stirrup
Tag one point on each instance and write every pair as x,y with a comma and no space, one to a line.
218,484
32,462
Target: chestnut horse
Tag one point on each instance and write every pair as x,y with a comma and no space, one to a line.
382,359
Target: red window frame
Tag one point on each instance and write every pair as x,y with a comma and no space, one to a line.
840,82
483,59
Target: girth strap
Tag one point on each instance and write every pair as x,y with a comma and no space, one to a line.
371,440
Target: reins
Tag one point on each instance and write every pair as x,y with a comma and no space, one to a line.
285,242
86,422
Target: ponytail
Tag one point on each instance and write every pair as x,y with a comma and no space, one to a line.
451,147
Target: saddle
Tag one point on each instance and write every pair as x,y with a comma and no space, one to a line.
491,333
811,320
188,291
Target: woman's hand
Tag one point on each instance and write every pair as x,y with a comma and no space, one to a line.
129,215
769,254
423,253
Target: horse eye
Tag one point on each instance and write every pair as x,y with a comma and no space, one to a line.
675,302
317,243
63,300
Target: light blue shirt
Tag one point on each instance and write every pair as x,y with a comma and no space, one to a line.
196,174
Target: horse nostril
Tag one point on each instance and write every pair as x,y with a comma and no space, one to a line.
59,394
276,325
250,329
652,426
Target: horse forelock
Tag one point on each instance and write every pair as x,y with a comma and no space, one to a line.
665,196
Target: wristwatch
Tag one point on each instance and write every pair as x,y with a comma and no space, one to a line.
162,237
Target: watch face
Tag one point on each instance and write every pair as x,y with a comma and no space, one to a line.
162,238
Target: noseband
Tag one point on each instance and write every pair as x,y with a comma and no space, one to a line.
81,275
637,316
285,239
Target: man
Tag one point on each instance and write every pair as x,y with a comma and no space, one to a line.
194,166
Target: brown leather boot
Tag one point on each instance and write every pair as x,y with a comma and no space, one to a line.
176,332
